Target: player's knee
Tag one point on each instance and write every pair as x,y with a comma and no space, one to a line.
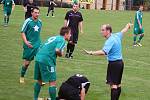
142,35
114,86
40,82
53,83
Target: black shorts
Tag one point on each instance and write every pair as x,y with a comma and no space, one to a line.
68,92
114,72
74,38
51,8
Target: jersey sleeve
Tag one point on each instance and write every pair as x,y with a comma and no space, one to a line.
67,16
13,2
137,15
81,18
24,4
107,46
25,25
120,35
2,2
61,45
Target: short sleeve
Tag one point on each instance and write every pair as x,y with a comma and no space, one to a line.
13,2
107,46
120,35
25,25
60,45
81,18
67,16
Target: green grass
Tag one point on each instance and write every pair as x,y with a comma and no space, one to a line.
136,76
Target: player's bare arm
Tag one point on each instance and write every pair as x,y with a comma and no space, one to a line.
13,7
126,28
98,52
66,23
82,94
81,26
25,40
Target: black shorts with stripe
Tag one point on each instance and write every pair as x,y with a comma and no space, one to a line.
114,72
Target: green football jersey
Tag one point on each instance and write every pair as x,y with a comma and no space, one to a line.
32,31
47,51
7,3
138,16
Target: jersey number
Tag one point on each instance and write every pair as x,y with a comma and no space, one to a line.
50,40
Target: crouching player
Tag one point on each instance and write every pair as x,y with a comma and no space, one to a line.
74,88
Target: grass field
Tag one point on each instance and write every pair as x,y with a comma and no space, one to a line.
136,76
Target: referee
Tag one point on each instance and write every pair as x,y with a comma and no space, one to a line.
74,88
74,20
113,50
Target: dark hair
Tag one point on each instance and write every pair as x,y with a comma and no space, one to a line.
108,27
64,30
34,8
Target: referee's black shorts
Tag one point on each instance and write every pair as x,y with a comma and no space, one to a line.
114,72
68,92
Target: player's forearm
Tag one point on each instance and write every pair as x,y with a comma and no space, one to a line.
127,27
139,23
24,38
82,94
99,52
13,7
81,26
65,23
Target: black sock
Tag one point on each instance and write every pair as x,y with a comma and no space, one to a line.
119,92
114,94
71,50
68,50
52,13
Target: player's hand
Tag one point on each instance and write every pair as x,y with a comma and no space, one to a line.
87,52
129,25
29,44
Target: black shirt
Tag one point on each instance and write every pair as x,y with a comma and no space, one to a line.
77,80
74,18
51,4
29,8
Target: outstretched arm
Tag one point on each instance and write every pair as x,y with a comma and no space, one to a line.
98,52
126,28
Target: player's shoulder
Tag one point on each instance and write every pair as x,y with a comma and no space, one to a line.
28,20
40,20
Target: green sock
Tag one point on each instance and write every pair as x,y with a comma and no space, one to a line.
52,92
37,88
134,39
23,71
7,19
140,38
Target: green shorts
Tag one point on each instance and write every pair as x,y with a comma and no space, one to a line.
7,11
138,31
29,53
44,72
